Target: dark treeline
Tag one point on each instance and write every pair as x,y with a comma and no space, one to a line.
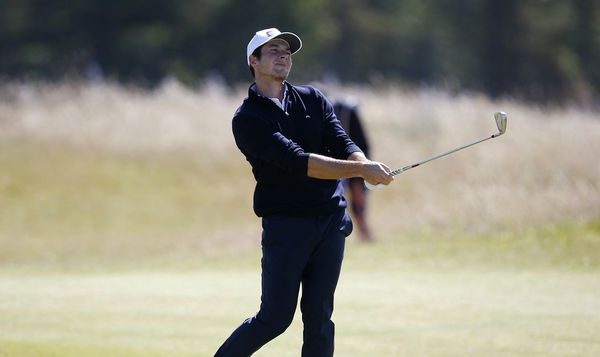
532,49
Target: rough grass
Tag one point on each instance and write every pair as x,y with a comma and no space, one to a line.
62,205
102,171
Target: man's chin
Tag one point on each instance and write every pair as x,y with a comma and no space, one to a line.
280,76
281,73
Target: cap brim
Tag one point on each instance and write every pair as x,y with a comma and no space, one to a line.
292,39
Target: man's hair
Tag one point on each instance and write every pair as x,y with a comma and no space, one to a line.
257,53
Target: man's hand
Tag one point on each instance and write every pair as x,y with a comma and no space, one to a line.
376,173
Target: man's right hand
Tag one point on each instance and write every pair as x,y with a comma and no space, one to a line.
376,173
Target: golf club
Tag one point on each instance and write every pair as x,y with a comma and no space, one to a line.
500,122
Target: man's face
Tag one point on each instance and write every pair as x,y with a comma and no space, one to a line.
275,61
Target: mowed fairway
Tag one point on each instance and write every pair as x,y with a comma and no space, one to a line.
437,297
378,313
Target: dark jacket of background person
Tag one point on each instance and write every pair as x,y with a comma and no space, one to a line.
277,145
347,114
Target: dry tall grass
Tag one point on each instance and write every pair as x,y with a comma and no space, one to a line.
544,170
119,119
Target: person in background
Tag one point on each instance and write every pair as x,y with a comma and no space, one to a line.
347,113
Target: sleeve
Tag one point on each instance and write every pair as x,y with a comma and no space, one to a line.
257,138
336,138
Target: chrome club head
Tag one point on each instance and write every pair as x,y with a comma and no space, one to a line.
500,122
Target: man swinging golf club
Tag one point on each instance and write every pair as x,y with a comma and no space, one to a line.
298,152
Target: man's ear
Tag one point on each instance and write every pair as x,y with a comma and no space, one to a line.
252,59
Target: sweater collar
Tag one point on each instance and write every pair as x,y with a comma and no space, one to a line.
253,91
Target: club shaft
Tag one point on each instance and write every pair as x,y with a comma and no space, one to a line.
408,167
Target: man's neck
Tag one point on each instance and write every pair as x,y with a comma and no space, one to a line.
271,89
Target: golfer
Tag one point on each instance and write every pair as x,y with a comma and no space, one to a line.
298,152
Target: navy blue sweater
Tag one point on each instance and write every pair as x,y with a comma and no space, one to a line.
277,145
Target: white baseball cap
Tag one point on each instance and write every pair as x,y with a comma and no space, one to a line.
266,35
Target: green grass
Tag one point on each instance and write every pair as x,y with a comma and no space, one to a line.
382,309
62,349
65,206
62,207
531,293
567,246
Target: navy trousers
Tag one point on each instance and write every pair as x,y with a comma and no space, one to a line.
307,252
